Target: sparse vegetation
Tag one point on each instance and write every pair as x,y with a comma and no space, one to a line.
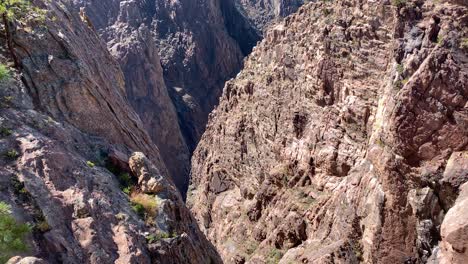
464,43
126,181
42,226
380,142
139,209
4,72
121,217
127,190
11,154
357,249
144,205
274,256
400,69
158,236
12,234
399,3
5,132
440,40
6,101
305,199
151,238
251,247
14,10
19,189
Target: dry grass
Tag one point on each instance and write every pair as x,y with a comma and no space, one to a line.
147,202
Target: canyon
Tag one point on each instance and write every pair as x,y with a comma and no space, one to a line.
176,57
236,131
343,140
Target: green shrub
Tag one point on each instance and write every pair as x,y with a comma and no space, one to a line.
251,247
5,132
158,236
139,209
151,238
12,234
145,201
125,180
20,190
380,142
4,72
163,235
11,154
90,164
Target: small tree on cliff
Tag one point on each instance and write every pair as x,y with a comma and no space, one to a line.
12,234
14,11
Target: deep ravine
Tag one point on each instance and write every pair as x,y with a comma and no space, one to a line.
199,44
337,134
89,136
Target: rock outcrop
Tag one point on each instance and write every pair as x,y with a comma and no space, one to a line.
343,140
70,140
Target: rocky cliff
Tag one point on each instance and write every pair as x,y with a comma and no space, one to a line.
129,28
77,162
200,45
197,57
343,140
265,12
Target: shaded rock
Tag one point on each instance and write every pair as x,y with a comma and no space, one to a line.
70,111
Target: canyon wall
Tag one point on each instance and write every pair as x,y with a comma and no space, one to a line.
136,32
70,139
344,139
199,44
263,13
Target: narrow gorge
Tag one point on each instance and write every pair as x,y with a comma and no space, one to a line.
233,131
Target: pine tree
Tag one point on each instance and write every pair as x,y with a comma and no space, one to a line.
12,234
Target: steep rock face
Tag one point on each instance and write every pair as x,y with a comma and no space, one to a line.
62,133
239,26
197,53
342,140
201,44
263,12
197,56
126,26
